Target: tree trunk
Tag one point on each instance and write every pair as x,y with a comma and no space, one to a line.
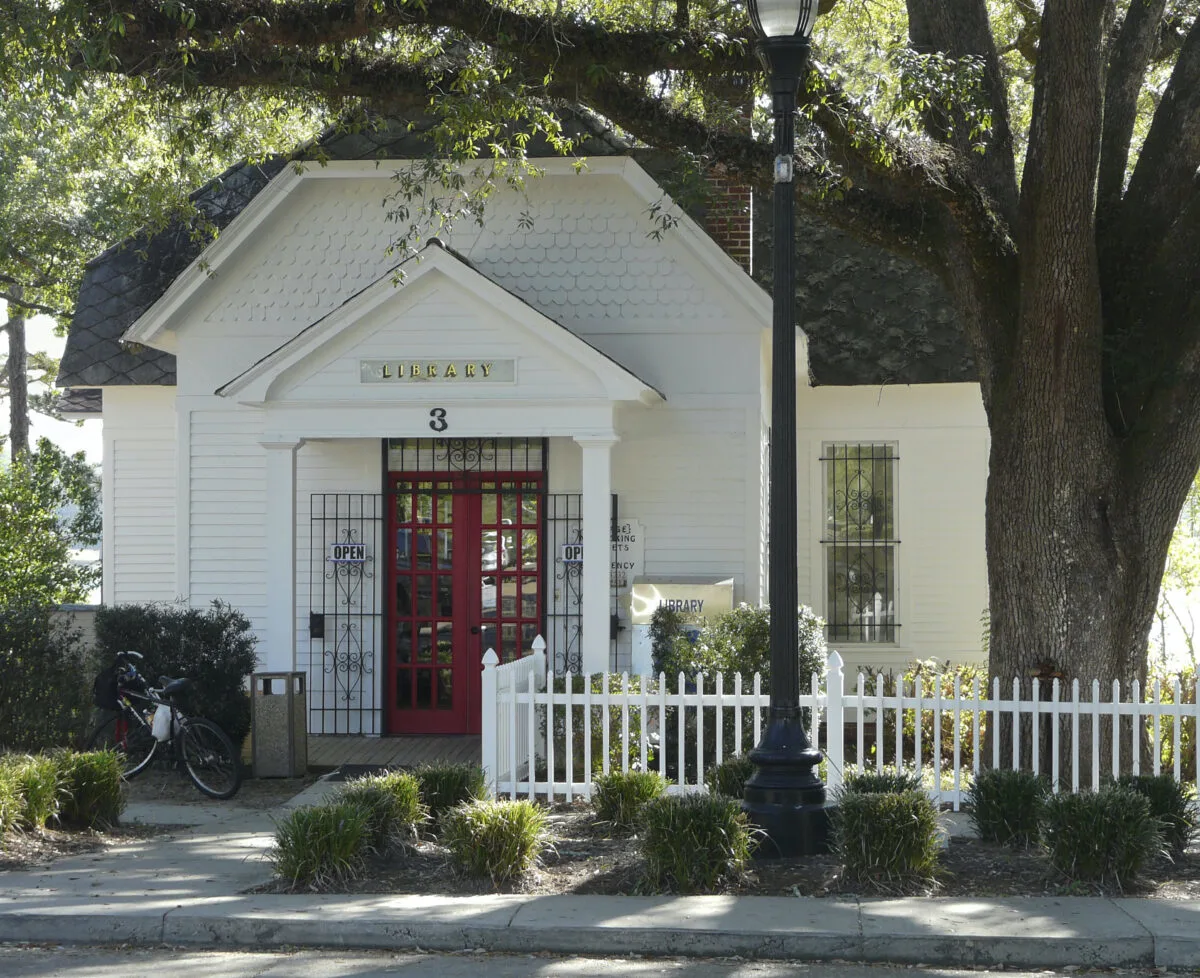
18,380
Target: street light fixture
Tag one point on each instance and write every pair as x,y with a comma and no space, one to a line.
784,796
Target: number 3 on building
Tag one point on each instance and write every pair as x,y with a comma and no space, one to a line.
438,419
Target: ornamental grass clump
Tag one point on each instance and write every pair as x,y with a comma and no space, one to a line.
886,836
887,780
91,790
393,804
496,840
10,801
1171,803
38,784
1103,837
445,786
729,777
692,843
620,797
1006,806
322,845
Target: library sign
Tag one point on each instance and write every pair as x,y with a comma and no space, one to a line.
446,371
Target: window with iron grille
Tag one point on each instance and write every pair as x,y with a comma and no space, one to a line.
859,541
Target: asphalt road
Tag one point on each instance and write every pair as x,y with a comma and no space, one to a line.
75,962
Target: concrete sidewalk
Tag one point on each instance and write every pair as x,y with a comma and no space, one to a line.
183,888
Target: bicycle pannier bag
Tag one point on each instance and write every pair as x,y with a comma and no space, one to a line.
104,689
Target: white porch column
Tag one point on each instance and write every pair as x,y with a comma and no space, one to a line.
281,554
597,549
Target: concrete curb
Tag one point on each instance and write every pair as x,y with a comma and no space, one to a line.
1029,933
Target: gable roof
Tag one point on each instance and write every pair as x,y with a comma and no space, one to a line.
870,317
621,382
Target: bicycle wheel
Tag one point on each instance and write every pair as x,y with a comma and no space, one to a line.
211,761
130,738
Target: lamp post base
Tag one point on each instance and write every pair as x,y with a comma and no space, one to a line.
784,797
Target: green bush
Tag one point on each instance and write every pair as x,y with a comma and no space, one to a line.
444,786
1106,837
10,801
693,842
1006,806
729,777
1170,803
322,845
45,697
38,785
620,796
213,647
924,674
889,780
498,840
886,835
92,793
393,804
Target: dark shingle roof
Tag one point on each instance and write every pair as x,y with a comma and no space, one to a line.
122,283
81,400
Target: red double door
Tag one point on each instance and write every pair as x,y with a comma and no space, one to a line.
464,576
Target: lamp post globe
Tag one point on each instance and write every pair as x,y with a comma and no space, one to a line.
784,796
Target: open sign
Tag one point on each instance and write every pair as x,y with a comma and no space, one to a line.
572,553
347,553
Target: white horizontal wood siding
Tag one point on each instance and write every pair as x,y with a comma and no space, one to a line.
227,500
139,489
941,437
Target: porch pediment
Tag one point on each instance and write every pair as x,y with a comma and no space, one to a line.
435,325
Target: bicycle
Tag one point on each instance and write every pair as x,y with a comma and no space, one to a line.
198,745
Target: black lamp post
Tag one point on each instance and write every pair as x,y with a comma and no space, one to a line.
784,796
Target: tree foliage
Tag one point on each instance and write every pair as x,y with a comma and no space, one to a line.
49,507
1040,156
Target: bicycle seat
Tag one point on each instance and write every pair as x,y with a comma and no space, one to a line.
172,687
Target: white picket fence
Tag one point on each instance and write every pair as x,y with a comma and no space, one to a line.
606,714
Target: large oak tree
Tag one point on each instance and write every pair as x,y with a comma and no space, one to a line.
1040,156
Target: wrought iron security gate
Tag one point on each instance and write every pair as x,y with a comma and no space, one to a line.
564,614
345,624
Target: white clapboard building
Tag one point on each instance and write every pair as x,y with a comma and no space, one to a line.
544,425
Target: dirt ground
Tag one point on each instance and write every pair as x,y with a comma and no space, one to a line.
176,788
584,857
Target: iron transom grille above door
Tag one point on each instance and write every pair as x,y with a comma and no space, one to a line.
344,621
465,455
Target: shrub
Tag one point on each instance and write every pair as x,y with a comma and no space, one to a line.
1006,806
494,839
614,721
619,797
393,804
10,800
729,777
889,780
37,782
886,835
740,641
931,677
1170,803
443,786
45,697
693,842
1105,836
92,793
213,647
322,845
671,635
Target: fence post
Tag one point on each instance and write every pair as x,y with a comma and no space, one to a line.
488,739
539,663
835,719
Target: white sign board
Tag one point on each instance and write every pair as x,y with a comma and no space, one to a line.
348,553
629,554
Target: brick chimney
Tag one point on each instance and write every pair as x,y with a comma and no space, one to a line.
729,217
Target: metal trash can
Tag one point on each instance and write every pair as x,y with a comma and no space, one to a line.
279,725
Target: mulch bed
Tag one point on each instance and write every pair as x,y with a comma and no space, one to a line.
21,851
176,788
584,857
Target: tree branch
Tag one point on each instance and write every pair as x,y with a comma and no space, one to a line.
1129,58
957,28
1165,172
14,298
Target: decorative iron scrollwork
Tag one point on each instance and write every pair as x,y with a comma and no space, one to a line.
467,454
